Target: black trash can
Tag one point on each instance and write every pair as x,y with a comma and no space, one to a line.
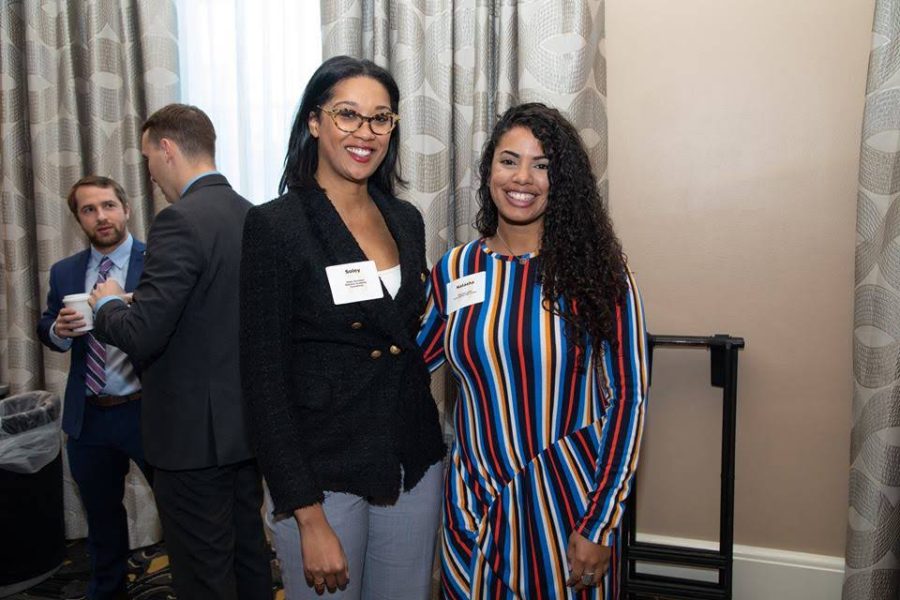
32,522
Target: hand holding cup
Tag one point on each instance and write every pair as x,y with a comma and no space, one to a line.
69,323
75,318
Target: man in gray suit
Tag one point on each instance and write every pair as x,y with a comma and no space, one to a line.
183,328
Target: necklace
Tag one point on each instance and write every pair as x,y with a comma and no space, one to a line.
519,257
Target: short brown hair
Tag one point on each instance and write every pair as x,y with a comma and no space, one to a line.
186,125
96,181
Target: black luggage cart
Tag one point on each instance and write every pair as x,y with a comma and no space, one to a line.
723,351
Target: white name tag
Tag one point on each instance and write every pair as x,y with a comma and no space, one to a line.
465,291
354,282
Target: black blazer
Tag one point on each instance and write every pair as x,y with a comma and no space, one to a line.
183,329
338,395
67,277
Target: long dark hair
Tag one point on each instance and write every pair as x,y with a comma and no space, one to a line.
581,264
302,157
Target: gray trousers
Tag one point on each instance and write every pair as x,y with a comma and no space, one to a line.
390,549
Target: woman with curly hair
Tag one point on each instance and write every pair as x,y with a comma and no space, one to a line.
542,325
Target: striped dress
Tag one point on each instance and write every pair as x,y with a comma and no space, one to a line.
543,446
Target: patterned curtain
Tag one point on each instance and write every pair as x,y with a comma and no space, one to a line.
77,79
873,534
459,64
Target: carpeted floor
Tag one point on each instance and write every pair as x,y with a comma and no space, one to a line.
148,576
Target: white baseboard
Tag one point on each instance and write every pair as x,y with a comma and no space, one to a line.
762,573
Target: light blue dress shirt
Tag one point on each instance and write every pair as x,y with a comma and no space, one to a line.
191,182
120,376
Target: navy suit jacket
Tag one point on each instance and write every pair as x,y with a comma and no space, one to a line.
67,277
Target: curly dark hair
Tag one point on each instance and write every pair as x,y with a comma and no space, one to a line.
581,265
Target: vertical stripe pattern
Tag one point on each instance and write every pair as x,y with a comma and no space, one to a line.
95,374
547,435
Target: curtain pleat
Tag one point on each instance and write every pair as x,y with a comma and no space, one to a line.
873,532
77,79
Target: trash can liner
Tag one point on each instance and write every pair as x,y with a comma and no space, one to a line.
26,411
29,431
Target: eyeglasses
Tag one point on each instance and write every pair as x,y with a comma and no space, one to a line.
348,120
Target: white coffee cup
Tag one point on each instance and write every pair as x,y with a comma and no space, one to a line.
80,303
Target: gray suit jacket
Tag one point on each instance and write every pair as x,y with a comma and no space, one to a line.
183,329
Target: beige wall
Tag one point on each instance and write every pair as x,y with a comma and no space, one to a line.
734,135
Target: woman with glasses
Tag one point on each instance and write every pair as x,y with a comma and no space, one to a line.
332,289
542,325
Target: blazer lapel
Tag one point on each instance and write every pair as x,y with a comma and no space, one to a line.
75,285
390,312
135,266
340,247
405,241
338,243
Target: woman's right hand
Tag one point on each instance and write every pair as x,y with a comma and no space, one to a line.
324,562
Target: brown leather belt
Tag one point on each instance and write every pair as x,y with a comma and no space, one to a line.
106,401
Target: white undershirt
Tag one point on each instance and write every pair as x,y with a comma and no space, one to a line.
391,280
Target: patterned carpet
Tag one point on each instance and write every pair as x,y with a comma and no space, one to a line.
148,576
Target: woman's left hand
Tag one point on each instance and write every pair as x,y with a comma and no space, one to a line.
587,561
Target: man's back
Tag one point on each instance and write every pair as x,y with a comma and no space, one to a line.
184,330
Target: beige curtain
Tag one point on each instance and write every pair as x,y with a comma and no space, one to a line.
873,534
459,64
77,79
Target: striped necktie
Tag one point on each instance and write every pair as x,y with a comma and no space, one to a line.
95,375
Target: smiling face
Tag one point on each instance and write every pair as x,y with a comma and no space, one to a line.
519,182
102,216
350,157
